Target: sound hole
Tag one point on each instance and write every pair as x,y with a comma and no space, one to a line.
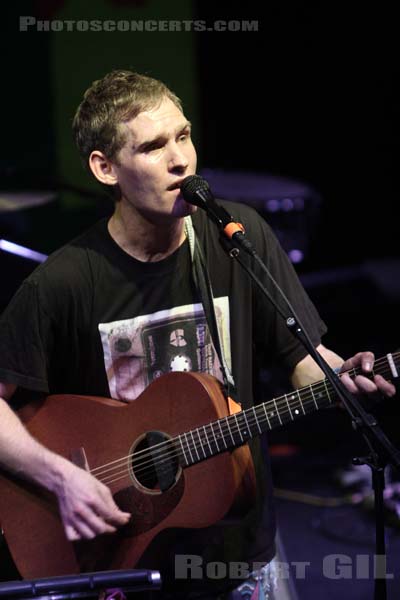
155,462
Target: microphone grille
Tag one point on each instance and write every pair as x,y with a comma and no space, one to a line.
192,184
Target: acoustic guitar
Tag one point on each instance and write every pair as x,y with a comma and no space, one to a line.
175,457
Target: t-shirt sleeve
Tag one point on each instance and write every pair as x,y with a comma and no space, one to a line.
25,340
271,332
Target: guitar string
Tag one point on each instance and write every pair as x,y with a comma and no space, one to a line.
282,403
193,449
199,445
166,458
173,452
279,402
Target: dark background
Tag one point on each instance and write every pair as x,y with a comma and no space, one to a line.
312,96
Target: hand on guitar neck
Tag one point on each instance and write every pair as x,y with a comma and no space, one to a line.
357,373
366,385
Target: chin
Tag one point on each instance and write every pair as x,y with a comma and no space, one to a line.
182,208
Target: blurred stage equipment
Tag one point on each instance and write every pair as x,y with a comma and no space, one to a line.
18,250
12,201
33,222
17,260
290,206
87,585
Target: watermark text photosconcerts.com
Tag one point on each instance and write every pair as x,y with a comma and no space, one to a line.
29,23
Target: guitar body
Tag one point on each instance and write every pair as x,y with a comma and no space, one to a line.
98,431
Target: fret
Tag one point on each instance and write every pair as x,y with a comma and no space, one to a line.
238,428
288,405
222,435
277,412
230,432
200,442
188,447
215,439
314,398
296,407
266,415
194,445
301,402
247,423
320,395
183,450
273,416
208,441
327,391
255,416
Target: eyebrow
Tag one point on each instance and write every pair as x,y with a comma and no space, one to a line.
160,138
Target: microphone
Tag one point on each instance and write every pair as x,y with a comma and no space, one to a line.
196,191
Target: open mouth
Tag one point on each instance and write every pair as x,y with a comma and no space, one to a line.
175,186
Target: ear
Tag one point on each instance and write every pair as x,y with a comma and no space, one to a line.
102,168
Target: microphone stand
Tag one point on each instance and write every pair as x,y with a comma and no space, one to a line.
381,450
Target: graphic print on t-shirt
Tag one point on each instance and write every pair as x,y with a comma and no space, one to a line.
139,350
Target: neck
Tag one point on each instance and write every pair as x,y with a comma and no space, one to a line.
145,240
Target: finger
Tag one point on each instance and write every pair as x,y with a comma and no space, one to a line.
349,383
359,384
89,518
110,511
71,533
367,361
385,387
98,524
364,385
78,531
116,517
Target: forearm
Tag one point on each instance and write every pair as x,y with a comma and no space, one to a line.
24,456
86,505
307,371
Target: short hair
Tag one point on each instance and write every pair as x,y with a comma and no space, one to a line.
118,97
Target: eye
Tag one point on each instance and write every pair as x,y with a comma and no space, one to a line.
184,136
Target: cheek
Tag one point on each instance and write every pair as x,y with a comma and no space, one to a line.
155,158
193,155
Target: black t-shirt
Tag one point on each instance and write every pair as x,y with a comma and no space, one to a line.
93,320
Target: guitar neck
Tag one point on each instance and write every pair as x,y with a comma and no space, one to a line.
232,431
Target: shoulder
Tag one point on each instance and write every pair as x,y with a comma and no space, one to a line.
70,267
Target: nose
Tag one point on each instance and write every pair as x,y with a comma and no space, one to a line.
178,159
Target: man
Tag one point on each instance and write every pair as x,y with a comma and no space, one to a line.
118,307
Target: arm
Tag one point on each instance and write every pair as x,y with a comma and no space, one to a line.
86,506
307,372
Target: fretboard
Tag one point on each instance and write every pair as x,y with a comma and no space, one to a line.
234,430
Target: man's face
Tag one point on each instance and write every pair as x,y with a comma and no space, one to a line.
157,155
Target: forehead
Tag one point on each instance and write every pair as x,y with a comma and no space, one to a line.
163,119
